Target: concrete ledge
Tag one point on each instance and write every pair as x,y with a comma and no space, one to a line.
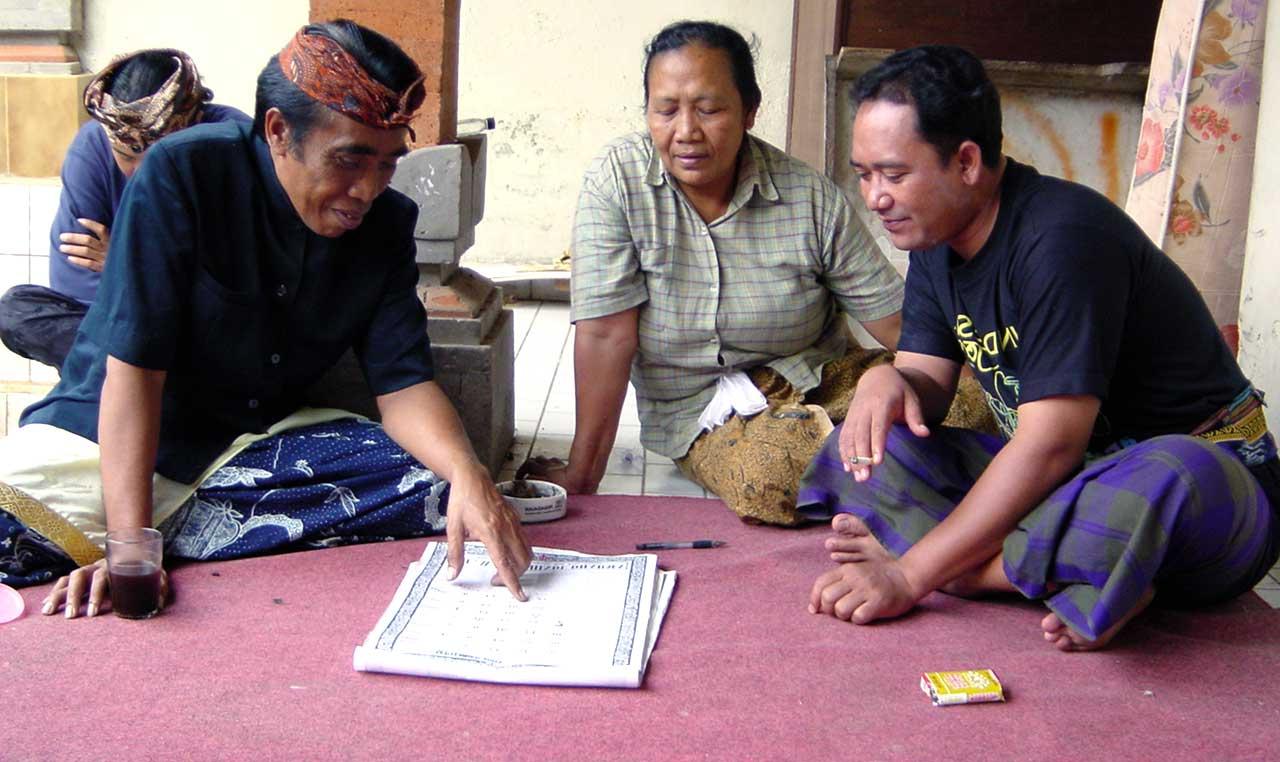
447,182
479,380
1105,78
537,287
42,15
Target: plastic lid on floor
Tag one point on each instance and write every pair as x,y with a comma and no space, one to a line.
11,604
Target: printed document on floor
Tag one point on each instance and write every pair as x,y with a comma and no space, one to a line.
590,620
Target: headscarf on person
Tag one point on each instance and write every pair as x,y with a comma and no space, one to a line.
324,70
134,125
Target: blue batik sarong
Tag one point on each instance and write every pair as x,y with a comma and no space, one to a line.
1178,513
333,483
27,555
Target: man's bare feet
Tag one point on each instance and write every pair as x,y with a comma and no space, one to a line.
1066,639
985,580
853,541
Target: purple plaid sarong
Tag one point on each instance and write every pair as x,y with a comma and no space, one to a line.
1178,513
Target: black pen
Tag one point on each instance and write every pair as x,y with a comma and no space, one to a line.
679,545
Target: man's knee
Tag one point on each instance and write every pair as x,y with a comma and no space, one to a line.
1224,536
9,302
39,323
11,316
24,301
1215,493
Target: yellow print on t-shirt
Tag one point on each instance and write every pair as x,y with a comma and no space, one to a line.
983,354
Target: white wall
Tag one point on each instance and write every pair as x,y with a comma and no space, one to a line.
230,40
563,77
1259,308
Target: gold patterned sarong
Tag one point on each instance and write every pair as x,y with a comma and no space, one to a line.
38,517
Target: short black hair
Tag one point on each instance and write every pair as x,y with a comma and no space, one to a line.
381,58
714,36
141,75
953,97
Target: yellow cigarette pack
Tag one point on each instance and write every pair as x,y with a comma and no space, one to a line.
966,686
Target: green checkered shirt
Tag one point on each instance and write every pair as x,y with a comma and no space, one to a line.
761,285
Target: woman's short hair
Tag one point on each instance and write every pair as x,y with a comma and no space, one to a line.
381,58
717,37
953,97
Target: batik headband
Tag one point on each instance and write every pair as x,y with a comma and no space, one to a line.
324,70
134,125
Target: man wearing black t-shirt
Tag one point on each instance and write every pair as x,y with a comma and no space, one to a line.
1135,461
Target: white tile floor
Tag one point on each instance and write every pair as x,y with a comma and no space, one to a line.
544,418
27,208
545,409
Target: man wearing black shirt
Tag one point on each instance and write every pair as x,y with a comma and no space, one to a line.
244,262
1135,460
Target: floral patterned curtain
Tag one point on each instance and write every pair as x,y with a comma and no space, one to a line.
1194,168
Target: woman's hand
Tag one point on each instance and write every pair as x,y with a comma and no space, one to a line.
70,591
553,470
477,511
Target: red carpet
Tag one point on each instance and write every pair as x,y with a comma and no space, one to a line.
253,660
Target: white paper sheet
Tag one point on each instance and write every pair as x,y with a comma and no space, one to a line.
589,620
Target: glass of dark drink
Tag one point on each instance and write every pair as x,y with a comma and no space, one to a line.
134,559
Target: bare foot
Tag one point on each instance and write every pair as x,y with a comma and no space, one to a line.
1066,639
984,580
853,541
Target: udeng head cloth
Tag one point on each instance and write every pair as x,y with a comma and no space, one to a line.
324,70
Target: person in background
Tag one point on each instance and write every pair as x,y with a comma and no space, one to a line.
715,272
134,101
1134,460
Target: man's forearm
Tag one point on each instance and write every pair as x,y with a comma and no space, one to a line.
128,435
1020,476
935,399
421,419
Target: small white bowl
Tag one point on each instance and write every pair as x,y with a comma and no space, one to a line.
547,506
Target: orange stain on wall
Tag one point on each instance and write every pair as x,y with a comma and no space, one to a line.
1108,142
1108,126
1046,128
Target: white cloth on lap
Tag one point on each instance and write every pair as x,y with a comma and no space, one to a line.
734,394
